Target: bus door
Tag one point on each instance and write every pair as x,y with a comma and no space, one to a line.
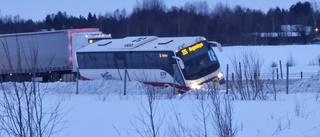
177,74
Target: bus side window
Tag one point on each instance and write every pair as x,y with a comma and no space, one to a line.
212,55
81,60
150,60
102,60
91,60
165,63
137,60
129,60
110,61
119,58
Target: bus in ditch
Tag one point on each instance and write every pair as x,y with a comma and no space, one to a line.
180,62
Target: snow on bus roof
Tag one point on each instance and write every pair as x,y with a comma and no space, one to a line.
141,43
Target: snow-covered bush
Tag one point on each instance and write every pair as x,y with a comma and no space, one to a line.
247,82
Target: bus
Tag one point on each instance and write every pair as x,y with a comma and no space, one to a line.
181,62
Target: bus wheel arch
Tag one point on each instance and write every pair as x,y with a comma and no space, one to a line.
167,85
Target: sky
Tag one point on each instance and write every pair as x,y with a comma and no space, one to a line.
38,9
100,109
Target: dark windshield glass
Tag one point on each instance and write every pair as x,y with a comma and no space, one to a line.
199,60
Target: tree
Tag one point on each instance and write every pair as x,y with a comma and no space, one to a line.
229,26
315,15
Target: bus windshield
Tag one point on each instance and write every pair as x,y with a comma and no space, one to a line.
199,60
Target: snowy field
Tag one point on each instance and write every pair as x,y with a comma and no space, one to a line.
304,58
101,110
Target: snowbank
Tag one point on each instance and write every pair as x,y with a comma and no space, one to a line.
311,84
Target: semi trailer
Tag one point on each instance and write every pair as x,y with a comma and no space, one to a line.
45,55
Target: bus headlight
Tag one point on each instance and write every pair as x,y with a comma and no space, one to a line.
195,86
220,75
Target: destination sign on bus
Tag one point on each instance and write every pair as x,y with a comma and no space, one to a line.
163,55
192,48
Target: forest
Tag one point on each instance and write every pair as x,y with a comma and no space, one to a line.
229,25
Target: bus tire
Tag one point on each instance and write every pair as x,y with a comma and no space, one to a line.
17,78
7,78
55,76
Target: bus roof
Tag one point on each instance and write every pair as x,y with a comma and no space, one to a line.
142,43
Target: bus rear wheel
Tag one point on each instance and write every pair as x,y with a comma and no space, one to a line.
55,77
7,78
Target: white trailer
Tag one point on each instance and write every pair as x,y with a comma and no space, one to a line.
50,55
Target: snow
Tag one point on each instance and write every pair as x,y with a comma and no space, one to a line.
100,109
305,59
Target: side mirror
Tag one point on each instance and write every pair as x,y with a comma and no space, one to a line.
218,45
181,64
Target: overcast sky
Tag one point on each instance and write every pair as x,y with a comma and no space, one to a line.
38,9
